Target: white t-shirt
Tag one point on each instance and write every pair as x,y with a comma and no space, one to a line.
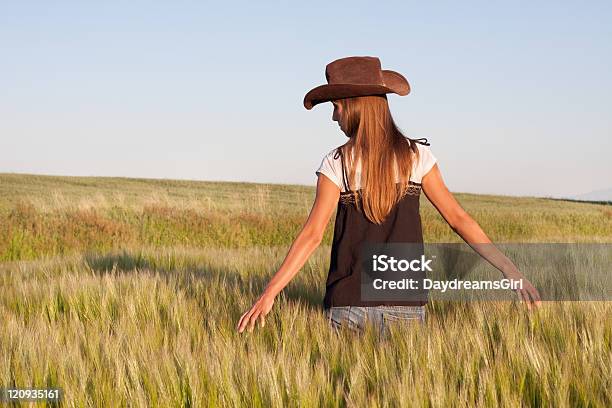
332,168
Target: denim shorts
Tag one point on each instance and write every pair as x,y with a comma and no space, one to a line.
356,318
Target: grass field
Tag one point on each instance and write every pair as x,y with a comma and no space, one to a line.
127,292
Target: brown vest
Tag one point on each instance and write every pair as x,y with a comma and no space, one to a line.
352,229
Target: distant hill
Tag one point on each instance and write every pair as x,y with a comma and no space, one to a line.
597,195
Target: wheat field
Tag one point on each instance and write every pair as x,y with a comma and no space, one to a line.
126,292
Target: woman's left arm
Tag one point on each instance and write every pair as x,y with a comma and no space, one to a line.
467,228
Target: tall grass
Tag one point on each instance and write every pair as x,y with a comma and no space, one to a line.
46,216
135,302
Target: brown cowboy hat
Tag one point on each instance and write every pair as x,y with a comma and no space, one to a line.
356,76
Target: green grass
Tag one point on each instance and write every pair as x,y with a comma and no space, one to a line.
45,216
127,292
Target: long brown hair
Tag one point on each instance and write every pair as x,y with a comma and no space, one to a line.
377,141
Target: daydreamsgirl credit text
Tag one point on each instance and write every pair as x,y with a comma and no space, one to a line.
444,285
385,263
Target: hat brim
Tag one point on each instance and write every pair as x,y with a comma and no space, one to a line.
394,83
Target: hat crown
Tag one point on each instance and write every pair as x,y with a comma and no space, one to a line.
354,77
354,70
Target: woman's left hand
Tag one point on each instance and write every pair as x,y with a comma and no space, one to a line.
528,294
259,310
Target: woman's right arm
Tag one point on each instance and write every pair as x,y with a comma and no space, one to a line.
304,245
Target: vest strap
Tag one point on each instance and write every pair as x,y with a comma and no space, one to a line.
344,177
420,141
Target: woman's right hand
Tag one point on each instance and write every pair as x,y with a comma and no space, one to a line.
259,310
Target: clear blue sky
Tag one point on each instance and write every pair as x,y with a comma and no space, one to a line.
515,97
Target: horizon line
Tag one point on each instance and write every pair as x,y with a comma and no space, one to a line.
271,183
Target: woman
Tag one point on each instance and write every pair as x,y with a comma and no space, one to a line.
375,202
